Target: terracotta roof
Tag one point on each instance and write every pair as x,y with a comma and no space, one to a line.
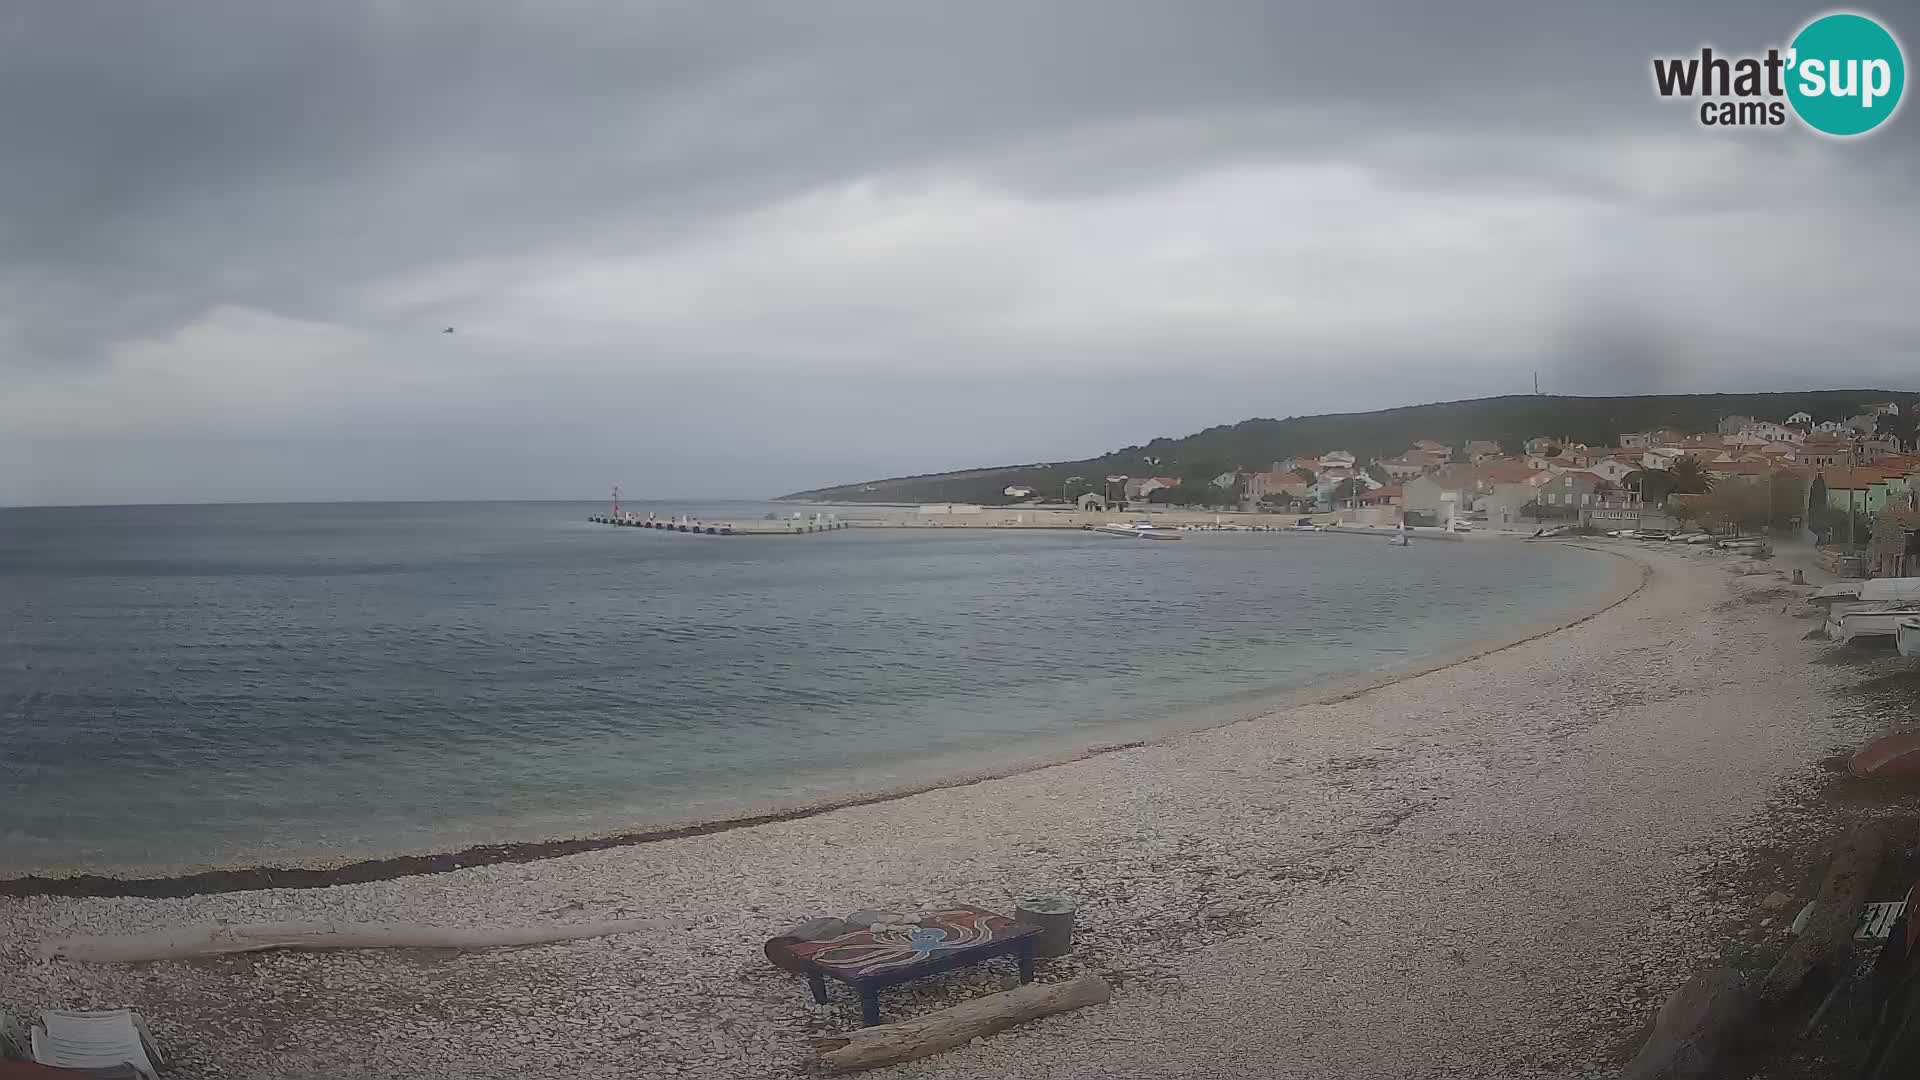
1860,477
1506,472
1454,477
1742,468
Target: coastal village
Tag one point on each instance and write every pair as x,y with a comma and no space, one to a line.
1699,803
1836,482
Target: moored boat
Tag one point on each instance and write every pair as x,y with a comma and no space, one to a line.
1138,530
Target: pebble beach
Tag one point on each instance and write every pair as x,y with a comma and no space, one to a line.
1490,869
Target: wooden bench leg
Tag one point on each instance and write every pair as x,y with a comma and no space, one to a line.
869,1006
818,984
1026,960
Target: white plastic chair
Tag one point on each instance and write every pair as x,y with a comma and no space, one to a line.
94,1040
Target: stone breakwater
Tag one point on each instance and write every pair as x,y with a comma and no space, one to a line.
1487,870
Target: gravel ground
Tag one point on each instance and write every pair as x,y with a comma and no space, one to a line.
1496,869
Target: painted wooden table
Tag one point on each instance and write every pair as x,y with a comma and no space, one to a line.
871,960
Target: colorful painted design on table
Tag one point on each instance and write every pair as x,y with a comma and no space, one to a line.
871,951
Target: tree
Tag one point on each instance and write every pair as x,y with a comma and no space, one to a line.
1650,486
1278,499
1552,451
1349,488
1201,473
1820,516
1379,473
1689,476
1742,506
1203,493
1305,473
1540,511
1900,427
1788,495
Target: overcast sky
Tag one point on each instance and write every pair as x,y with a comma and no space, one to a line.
739,249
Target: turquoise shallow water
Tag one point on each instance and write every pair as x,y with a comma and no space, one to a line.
236,684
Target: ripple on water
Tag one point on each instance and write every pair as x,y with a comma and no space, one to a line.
212,683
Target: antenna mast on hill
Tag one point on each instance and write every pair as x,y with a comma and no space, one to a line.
616,500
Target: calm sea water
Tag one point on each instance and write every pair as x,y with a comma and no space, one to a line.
234,684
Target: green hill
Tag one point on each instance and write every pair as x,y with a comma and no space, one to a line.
1257,443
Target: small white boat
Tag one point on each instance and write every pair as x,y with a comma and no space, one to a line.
1906,636
1903,589
1844,626
1866,595
1138,530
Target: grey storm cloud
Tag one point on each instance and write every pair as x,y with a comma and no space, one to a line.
743,248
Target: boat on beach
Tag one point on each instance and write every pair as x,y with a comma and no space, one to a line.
1906,637
1138,530
1844,626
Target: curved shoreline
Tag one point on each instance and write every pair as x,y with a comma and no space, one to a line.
362,871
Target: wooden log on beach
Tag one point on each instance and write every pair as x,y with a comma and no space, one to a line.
179,943
1826,940
1695,1030
888,1044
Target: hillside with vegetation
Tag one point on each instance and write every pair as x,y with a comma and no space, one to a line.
1256,444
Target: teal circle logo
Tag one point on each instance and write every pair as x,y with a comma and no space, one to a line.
1845,74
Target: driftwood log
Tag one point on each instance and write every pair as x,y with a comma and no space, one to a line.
1695,1030
888,1044
1826,941
182,942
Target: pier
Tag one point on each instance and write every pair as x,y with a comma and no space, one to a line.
776,527
684,523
